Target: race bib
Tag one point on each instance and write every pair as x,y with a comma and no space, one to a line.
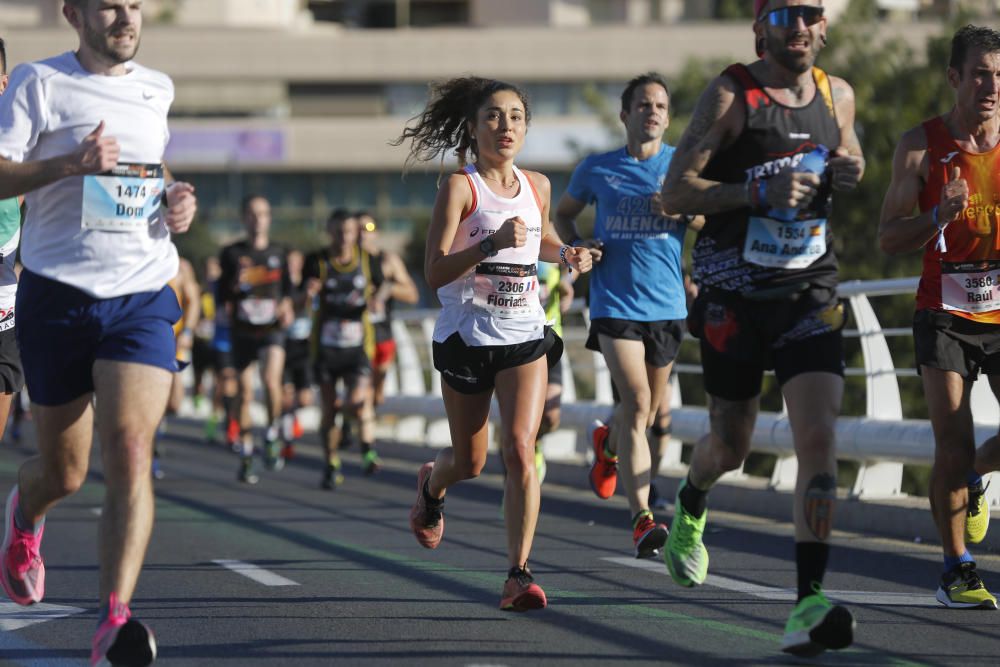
784,245
258,311
506,290
342,333
125,199
970,288
301,328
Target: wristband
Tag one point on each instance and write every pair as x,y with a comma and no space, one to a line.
562,257
941,245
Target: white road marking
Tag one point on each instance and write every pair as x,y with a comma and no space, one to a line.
258,574
14,616
96,511
787,594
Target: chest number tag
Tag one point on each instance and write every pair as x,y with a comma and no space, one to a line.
125,199
506,290
784,245
970,288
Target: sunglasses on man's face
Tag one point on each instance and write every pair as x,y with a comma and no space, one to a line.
787,17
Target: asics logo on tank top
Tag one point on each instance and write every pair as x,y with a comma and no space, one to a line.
949,157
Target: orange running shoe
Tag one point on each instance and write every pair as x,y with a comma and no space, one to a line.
604,471
232,432
648,536
427,519
520,592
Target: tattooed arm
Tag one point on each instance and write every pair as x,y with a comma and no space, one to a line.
847,162
717,121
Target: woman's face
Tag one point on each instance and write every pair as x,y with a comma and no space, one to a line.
501,123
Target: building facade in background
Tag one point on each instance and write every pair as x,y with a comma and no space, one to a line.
299,99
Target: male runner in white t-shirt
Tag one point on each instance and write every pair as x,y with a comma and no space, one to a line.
83,135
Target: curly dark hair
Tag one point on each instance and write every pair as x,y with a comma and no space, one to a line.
443,124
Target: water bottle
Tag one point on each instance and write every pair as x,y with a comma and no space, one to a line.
813,162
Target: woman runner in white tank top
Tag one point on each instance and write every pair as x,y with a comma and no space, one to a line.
489,228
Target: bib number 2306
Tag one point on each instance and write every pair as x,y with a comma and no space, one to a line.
506,290
125,199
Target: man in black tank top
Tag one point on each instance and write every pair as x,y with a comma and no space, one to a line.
253,290
752,162
343,278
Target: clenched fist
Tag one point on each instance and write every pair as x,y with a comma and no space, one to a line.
513,233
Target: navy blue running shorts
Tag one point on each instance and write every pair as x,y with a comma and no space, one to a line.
62,331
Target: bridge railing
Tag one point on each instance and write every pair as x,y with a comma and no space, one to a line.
881,441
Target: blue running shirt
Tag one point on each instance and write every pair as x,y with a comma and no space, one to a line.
639,277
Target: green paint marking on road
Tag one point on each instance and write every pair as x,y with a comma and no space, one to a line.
492,582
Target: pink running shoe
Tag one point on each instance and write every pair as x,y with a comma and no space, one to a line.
122,640
22,571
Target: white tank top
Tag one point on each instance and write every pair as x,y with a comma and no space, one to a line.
496,301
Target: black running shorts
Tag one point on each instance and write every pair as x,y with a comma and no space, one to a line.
347,363
298,364
473,370
952,343
11,375
741,338
248,345
662,339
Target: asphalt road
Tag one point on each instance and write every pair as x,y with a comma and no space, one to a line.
339,578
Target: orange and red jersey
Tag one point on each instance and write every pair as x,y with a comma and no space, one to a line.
965,278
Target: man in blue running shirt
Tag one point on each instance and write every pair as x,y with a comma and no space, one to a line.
637,304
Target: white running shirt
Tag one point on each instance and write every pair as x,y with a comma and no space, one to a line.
496,301
115,241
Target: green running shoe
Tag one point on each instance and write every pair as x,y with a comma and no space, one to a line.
817,625
977,518
961,588
371,463
540,466
211,428
686,556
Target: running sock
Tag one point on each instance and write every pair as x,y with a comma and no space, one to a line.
430,500
693,500
810,562
951,562
22,523
247,445
638,517
974,478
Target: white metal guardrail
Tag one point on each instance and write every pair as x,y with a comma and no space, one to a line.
881,441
